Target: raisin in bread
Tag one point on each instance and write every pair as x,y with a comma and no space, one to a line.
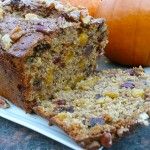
45,47
101,108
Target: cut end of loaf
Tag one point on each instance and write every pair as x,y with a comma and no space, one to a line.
65,60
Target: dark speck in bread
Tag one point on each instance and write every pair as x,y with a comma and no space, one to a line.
97,96
88,50
37,84
128,84
96,121
60,102
69,109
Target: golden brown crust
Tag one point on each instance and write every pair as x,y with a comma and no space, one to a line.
14,83
12,86
41,112
101,137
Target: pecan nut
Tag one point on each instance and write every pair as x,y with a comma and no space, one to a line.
106,140
16,33
3,103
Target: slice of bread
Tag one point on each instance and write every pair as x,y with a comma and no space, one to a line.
101,108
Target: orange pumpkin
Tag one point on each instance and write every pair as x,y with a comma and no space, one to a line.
129,30
92,5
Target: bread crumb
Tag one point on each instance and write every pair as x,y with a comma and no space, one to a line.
6,41
31,16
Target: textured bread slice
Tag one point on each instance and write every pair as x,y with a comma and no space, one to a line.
45,47
101,108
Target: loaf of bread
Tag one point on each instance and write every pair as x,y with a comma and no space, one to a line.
45,47
101,108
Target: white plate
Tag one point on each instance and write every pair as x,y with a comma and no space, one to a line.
37,124
40,125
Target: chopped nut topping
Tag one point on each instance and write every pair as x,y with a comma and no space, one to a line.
63,23
44,1
84,17
31,16
86,20
16,33
6,41
75,15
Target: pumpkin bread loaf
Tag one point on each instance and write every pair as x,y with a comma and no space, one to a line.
101,108
45,47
